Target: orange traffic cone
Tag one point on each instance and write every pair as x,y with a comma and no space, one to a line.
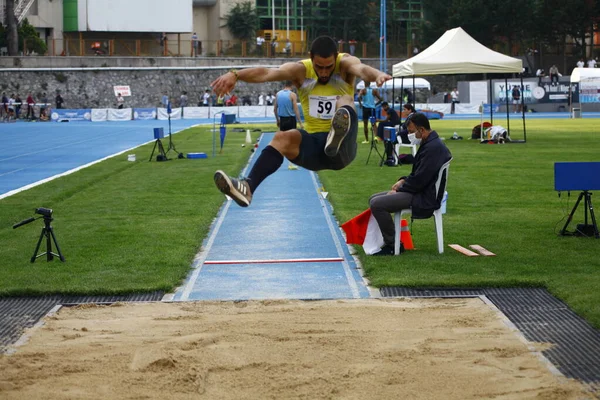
405,237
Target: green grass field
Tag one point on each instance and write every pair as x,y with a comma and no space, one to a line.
136,226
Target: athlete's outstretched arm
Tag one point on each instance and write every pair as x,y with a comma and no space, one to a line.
353,66
287,72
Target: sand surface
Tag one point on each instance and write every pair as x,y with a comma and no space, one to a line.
344,349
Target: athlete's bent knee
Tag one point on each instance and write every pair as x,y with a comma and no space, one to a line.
287,143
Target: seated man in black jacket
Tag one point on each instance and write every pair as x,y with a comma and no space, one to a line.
416,190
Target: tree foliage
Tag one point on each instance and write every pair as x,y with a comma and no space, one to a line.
27,36
509,22
242,20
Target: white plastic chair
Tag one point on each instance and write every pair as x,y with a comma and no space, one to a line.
440,187
413,147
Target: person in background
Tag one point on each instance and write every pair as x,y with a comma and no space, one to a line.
591,63
30,107
540,73
259,45
18,104
417,190
164,100
366,100
352,44
454,98
285,108
580,63
59,101
206,98
194,45
270,99
183,99
120,101
261,99
516,98
4,106
392,119
554,74
43,106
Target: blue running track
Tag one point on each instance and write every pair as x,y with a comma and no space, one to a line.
37,151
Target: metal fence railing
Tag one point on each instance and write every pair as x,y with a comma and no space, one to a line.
205,48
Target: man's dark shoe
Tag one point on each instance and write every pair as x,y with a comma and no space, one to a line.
387,251
237,189
340,126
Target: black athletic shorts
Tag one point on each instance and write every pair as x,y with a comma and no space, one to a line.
312,149
287,123
367,112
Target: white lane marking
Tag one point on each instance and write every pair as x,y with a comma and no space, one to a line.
351,281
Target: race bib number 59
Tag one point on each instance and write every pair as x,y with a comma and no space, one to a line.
322,107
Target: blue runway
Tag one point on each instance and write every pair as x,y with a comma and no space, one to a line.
286,245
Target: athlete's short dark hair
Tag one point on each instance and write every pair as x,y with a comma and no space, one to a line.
323,46
420,120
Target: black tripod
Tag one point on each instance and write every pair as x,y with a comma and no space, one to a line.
373,141
162,156
171,144
587,199
47,232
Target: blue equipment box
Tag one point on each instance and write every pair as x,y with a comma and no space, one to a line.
159,133
197,155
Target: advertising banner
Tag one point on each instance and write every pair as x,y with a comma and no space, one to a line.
99,114
144,113
59,115
195,112
123,114
175,113
590,92
535,94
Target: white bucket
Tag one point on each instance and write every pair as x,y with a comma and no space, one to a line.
131,157
444,199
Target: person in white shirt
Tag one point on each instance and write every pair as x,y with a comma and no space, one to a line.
205,98
454,97
261,99
120,101
591,63
580,63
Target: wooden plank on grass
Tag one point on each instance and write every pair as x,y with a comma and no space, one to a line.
482,250
463,250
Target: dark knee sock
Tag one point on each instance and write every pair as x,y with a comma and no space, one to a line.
269,161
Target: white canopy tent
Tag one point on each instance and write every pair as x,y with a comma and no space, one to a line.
419,83
585,77
456,52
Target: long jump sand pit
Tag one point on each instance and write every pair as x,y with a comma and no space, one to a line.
338,349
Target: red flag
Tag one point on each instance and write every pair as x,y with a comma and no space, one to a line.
364,230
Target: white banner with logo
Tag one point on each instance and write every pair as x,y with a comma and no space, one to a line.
144,113
122,90
195,112
123,114
99,114
175,113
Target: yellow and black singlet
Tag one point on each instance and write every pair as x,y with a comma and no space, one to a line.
318,100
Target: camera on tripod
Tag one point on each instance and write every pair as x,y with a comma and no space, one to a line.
46,212
47,232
